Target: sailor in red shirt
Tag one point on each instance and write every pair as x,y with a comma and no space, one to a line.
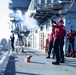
51,39
71,39
60,33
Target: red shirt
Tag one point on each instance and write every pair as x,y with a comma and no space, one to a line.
51,38
59,31
71,35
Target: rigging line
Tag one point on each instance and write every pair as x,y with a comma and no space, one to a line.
73,1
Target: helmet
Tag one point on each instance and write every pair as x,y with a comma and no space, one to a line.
61,21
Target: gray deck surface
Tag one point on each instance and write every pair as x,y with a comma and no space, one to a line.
38,65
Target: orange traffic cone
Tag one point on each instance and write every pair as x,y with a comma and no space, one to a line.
28,59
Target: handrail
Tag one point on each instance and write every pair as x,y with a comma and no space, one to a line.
3,61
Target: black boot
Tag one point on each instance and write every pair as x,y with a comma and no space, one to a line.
55,63
47,57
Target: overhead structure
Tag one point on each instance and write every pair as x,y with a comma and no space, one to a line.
48,11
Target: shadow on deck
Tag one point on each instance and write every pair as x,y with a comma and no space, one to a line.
10,68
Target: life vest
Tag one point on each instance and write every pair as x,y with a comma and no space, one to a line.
71,35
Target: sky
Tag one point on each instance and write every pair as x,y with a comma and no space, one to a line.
4,19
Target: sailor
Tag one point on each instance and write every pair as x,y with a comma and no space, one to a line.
59,35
